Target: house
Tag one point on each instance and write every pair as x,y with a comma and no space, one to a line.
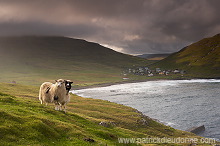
125,78
176,71
141,69
146,68
167,73
158,70
150,75
183,72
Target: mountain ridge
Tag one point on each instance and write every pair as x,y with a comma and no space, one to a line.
28,58
200,59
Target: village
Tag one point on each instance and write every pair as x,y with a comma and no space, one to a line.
146,71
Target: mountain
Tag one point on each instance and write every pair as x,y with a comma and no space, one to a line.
200,59
154,56
34,59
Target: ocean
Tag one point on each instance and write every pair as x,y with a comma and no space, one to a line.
181,104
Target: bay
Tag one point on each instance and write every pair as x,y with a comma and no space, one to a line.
181,104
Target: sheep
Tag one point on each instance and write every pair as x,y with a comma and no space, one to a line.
55,93
60,103
63,101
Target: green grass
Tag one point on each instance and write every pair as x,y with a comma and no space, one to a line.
200,60
24,121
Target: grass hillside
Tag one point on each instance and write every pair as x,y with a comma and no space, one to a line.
200,59
34,59
24,121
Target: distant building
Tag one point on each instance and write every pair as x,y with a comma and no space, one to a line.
158,70
183,72
150,75
125,78
176,71
161,73
146,68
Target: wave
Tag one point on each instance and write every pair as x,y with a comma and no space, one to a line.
148,87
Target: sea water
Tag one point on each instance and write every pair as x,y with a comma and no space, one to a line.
181,104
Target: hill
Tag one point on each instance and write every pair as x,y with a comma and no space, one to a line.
200,59
24,121
154,56
34,59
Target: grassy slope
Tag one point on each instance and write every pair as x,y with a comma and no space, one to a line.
201,59
25,122
33,60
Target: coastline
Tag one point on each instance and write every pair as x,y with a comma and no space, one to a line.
131,81
139,81
114,83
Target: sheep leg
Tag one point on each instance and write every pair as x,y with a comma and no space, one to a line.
56,105
60,107
64,107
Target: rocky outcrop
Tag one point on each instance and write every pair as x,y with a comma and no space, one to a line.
197,130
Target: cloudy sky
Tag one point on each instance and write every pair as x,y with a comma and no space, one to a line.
129,26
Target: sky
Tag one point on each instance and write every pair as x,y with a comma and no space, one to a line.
128,26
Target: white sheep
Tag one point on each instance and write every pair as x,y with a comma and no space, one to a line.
55,93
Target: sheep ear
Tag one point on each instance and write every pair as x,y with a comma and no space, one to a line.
71,82
55,80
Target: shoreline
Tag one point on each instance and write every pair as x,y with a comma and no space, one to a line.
131,81
114,83
139,81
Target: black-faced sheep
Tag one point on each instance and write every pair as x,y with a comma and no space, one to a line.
64,97
61,102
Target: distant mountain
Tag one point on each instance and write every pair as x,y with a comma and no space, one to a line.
154,56
38,58
200,59
59,47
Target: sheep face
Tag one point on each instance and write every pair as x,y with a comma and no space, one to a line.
60,82
68,84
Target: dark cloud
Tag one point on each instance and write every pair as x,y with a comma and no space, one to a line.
39,28
132,26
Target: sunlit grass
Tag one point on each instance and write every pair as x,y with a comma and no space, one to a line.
24,121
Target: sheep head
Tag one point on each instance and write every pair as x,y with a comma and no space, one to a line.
68,84
60,82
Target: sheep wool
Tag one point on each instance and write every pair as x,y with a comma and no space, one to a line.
45,93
